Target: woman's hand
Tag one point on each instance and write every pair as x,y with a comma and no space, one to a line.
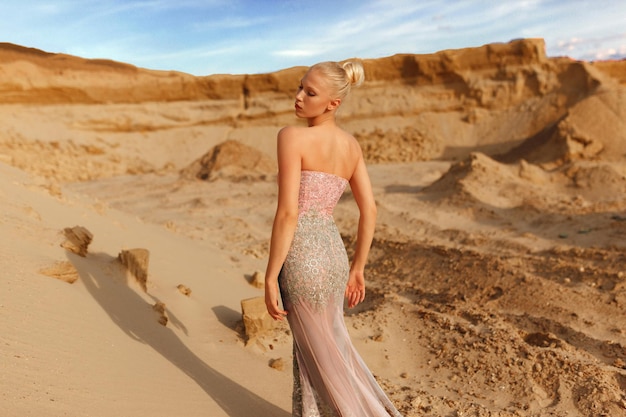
355,291
271,301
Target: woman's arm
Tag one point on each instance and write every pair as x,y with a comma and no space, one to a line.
286,218
364,196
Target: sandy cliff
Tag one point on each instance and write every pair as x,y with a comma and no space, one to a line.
501,99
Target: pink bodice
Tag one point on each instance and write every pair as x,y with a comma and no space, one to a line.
319,192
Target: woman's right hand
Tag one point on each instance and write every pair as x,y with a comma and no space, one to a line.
355,290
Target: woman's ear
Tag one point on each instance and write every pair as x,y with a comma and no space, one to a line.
334,103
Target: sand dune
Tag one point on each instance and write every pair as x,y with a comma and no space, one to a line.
496,285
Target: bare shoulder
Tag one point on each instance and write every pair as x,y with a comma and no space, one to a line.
291,131
288,140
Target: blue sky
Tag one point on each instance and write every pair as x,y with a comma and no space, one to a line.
204,37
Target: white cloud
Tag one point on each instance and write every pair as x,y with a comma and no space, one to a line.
297,53
591,48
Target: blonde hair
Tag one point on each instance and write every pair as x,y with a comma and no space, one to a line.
341,76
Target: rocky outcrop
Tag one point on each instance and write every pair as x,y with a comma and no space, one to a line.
232,160
33,76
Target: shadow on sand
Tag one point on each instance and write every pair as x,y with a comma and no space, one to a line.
105,279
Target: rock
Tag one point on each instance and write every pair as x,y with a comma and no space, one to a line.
136,262
77,240
378,337
184,290
159,308
256,319
64,271
278,364
258,279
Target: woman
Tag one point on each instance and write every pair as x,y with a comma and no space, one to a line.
308,260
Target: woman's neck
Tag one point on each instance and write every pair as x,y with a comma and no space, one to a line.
326,119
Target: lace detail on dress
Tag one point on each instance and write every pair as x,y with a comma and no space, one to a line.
316,268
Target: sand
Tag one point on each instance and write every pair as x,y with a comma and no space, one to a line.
496,283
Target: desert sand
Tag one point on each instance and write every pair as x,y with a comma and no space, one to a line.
496,284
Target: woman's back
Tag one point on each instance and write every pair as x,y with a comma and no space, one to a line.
329,149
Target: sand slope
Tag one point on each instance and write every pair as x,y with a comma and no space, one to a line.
94,347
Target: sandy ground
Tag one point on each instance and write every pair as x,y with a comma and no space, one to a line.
496,283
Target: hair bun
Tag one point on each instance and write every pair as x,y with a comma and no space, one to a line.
354,71
341,76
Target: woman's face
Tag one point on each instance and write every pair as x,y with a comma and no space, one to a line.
313,96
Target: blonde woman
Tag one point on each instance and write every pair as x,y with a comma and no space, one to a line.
308,265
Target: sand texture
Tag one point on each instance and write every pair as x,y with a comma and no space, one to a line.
136,209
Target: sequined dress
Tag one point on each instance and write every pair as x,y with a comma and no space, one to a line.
330,378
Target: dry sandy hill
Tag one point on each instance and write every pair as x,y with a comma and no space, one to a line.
496,283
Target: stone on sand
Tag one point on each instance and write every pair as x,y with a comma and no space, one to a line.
256,319
77,240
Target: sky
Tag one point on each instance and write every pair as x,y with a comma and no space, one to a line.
204,37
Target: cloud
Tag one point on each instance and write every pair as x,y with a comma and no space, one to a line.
593,48
296,52
609,53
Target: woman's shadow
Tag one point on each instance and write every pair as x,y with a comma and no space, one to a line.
106,281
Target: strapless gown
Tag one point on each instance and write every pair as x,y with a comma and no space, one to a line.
330,378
